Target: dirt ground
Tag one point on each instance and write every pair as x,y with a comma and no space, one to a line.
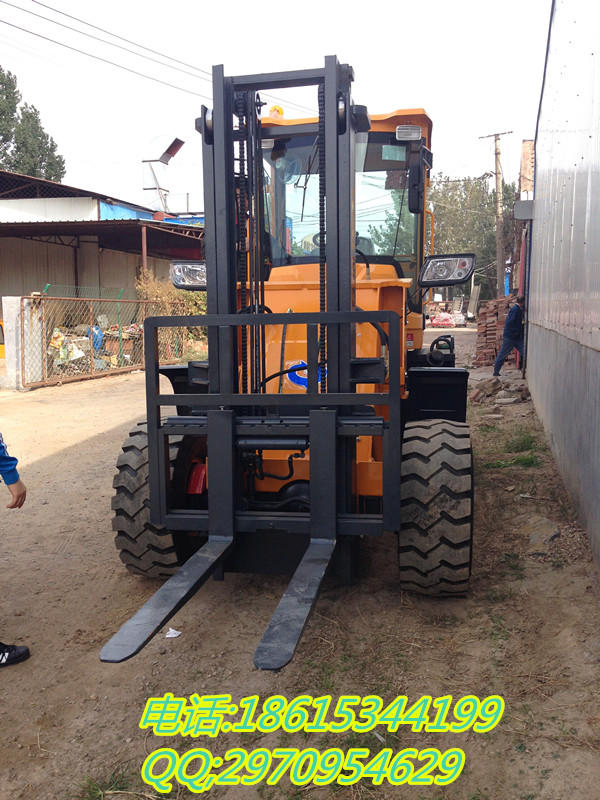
529,630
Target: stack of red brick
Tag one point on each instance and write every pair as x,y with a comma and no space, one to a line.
490,326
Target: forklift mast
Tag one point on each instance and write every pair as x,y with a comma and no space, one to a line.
234,213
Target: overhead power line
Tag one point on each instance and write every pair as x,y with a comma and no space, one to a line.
98,39
483,177
105,61
200,74
123,39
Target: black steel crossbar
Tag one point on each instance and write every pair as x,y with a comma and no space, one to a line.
281,426
164,603
309,400
283,633
279,80
303,318
292,522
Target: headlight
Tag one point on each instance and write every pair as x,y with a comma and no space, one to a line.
188,274
447,270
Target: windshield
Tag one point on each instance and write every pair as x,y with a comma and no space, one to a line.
382,215
384,225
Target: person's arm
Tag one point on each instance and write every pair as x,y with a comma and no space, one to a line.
18,492
10,476
520,330
512,324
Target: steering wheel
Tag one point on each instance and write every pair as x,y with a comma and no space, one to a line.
288,169
443,343
435,356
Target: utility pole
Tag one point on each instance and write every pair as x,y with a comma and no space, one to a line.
499,220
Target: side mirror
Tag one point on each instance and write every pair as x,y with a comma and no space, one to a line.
416,188
447,270
190,275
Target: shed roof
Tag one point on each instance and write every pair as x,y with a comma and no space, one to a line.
15,186
163,240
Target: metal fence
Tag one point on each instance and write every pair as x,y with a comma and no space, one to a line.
68,339
90,292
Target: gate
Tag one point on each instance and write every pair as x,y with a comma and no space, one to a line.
73,338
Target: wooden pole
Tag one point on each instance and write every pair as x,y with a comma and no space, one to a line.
499,222
499,219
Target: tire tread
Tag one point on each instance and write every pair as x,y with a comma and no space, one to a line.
144,548
435,541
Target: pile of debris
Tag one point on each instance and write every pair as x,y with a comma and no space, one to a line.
490,326
493,390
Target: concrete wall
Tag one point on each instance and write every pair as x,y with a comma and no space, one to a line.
564,301
12,340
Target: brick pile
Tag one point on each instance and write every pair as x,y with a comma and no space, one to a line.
490,327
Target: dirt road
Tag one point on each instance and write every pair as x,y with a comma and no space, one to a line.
528,631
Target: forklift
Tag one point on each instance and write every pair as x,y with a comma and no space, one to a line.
318,418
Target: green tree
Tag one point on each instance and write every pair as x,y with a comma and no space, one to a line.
396,235
25,146
465,221
9,103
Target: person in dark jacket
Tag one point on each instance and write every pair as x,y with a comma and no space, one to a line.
513,335
12,653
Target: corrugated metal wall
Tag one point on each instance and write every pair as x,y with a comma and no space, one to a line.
28,266
119,269
564,301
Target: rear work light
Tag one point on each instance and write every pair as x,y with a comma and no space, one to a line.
408,133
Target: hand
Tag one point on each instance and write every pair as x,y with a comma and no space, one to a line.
18,491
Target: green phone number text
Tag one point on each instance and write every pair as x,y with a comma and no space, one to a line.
199,770
205,715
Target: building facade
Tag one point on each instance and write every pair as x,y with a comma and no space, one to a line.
564,294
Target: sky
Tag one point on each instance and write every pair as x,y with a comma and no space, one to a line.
475,66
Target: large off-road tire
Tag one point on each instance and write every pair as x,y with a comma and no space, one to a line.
436,536
147,549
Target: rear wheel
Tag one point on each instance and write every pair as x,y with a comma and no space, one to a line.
435,542
148,549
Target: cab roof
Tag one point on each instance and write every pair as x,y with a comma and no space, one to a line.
379,122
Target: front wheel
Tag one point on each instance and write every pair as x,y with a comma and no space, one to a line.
147,549
436,536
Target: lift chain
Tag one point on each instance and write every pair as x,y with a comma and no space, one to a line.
242,203
322,233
